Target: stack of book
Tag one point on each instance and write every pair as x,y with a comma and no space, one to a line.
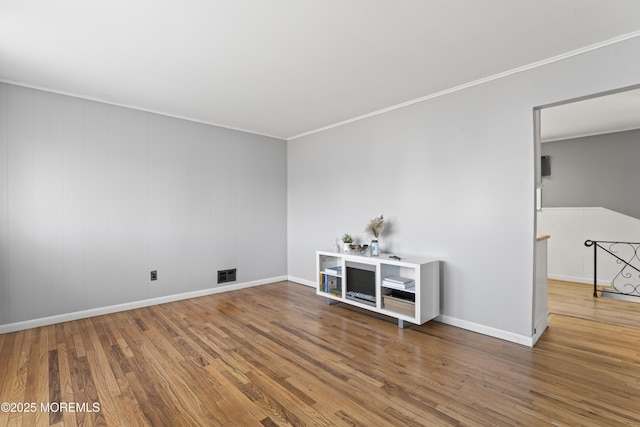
336,271
330,284
397,282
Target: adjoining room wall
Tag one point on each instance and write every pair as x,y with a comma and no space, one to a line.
94,196
569,258
599,170
454,176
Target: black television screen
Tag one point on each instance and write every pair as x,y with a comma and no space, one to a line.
361,281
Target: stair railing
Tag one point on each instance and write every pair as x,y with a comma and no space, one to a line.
627,280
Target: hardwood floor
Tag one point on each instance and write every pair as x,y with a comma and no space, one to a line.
576,300
278,355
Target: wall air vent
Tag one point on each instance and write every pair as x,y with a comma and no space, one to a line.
225,276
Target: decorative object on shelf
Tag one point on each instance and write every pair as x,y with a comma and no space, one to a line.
375,249
358,248
347,240
375,228
336,247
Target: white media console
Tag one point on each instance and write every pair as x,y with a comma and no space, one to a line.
407,289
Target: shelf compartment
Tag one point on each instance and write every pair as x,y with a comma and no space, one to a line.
399,305
333,271
330,284
360,300
391,270
399,283
330,263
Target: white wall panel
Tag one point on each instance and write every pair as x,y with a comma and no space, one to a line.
58,286
21,203
159,206
224,165
135,230
93,197
43,200
202,190
98,180
4,203
259,187
75,275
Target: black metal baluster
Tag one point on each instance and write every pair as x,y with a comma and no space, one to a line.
595,270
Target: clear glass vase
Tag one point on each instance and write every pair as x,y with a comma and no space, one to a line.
374,248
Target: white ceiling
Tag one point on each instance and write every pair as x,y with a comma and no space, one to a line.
288,67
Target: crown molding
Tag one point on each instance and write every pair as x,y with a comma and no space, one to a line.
493,77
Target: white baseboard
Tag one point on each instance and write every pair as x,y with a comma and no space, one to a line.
540,327
301,281
486,330
577,279
624,297
51,320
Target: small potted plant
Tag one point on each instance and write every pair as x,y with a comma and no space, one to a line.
347,240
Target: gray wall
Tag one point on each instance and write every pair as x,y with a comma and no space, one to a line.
93,197
455,176
595,171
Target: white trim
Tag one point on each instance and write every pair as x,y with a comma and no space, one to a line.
621,297
574,208
507,73
132,107
486,330
587,134
302,281
576,279
45,321
540,327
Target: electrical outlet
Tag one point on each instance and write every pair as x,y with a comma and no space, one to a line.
154,275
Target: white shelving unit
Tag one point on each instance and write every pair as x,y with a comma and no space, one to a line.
417,304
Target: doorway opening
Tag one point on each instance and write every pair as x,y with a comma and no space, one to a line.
590,145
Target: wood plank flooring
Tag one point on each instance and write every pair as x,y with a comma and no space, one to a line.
278,355
576,300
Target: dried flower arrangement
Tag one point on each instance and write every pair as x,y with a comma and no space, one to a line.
375,226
